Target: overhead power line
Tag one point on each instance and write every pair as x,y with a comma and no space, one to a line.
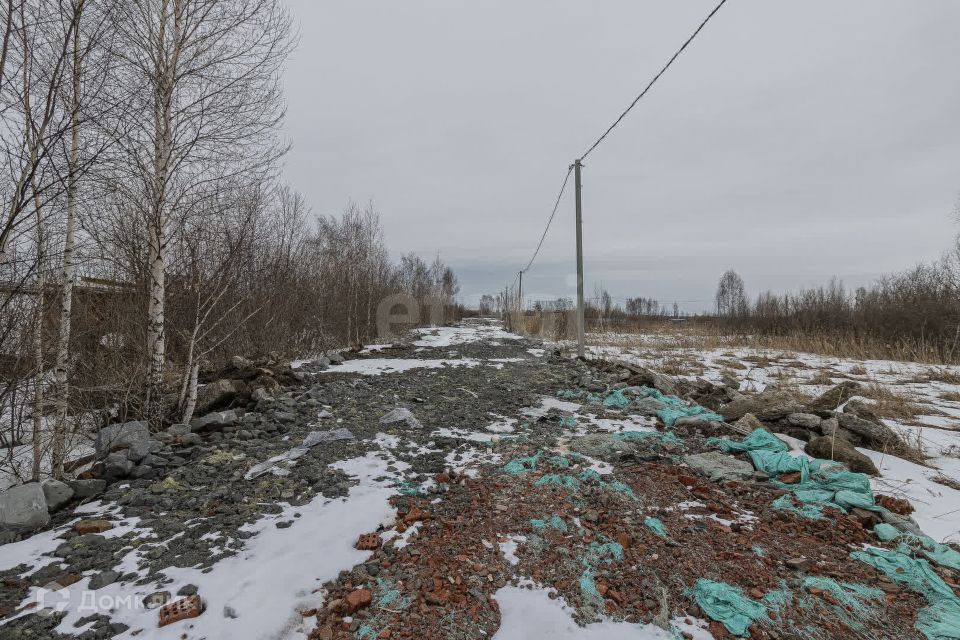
553,213
655,78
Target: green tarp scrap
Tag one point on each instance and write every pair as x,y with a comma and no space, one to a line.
567,482
519,466
886,532
615,399
554,522
821,481
850,602
559,462
641,436
938,621
849,594
778,599
386,601
941,554
808,511
591,476
758,440
655,525
728,605
411,490
569,394
677,408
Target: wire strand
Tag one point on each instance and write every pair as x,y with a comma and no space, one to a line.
655,78
556,205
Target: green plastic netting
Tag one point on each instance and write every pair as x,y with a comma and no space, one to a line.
616,399
942,554
728,605
938,621
677,408
821,481
655,525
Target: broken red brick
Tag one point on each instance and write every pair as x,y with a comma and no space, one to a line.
358,599
92,526
183,609
897,505
792,477
368,542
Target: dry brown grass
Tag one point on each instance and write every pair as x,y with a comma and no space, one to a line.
677,366
950,396
731,363
822,377
759,360
695,335
858,370
940,374
892,405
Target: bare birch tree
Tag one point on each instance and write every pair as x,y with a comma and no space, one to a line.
207,103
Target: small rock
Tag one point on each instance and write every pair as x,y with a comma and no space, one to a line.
188,590
102,579
57,493
87,488
798,564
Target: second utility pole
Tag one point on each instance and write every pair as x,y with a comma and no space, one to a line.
520,292
576,166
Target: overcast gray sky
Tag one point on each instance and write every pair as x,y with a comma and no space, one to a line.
792,141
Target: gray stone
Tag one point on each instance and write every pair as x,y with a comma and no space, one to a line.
903,523
140,449
117,465
804,420
841,450
831,399
691,421
648,406
188,590
120,436
828,426
600,445
335,358
719,466
873,434
401,414
215,395
24,508
261,394
214,421
748,423
177,430
192,439
770,404
103,579
57,493
651,378
143,471
87,488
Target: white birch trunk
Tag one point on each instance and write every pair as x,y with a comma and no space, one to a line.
66,293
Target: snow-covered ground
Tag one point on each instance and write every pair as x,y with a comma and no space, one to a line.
934,390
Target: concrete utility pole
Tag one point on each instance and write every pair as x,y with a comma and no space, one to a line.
576,166
520,292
